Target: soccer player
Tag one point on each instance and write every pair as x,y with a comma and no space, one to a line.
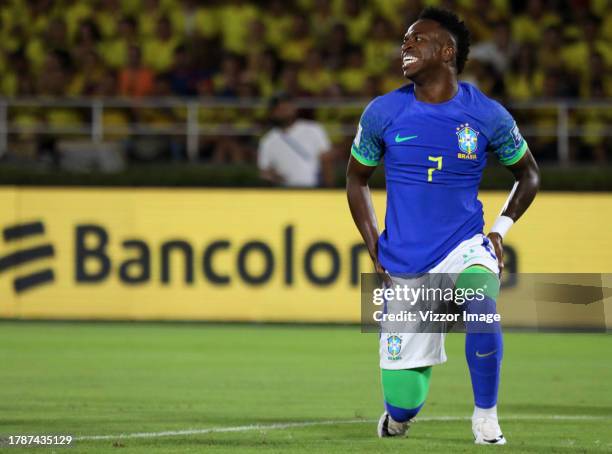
434,135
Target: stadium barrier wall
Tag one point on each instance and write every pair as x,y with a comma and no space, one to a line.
238,255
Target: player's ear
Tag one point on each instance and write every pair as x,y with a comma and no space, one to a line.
448,52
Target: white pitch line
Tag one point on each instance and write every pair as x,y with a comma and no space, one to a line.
291,425
171,433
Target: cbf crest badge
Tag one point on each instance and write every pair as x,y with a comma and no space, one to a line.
468,141
394,346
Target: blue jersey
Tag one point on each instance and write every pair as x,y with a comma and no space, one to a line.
434,156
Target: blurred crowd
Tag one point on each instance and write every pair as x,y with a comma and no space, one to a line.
521,50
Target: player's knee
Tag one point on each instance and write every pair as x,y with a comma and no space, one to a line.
480,307
480,280
405,391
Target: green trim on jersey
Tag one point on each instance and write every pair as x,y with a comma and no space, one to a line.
406,388
361,159
517,156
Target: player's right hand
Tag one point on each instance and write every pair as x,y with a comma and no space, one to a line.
382,273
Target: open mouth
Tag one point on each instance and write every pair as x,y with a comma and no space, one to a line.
409,59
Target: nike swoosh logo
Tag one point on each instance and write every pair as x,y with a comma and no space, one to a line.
484,355
399,139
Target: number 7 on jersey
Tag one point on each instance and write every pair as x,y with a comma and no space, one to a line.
431,170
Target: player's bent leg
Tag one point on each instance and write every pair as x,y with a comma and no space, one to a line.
404,391
483,351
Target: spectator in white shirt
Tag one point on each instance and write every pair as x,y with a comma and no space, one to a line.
295,152
499,51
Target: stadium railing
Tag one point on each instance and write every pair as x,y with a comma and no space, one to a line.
556,120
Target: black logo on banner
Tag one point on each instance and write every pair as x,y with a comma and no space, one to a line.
101,254
11,235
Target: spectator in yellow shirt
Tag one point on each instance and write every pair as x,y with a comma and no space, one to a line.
314,78
528,27
148,19
91,71
551,47
158,51
481,18
379,48
322,20
39,14
184,17
353,76
278,23
75,11
262,72
105,17
235,17
296,49
358,20
115,51
576,56
54,38
523,80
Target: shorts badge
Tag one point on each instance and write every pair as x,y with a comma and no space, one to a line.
394,346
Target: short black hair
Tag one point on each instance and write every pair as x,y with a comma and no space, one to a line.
456,27
279,98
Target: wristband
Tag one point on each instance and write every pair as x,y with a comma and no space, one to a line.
501,225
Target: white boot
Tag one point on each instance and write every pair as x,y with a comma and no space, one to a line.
388,427
487,432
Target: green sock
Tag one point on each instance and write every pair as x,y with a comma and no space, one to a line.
405,391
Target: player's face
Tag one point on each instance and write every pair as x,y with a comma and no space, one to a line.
423,47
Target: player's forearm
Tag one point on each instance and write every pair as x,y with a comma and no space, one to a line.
527,177
524,193
362,210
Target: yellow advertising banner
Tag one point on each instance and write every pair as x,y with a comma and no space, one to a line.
235,255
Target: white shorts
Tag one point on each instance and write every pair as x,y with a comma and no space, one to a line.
419,349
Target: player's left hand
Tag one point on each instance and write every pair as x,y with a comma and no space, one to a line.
498,245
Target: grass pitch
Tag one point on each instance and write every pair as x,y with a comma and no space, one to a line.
111,379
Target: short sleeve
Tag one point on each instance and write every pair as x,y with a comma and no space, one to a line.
264,160
506,140
368,145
